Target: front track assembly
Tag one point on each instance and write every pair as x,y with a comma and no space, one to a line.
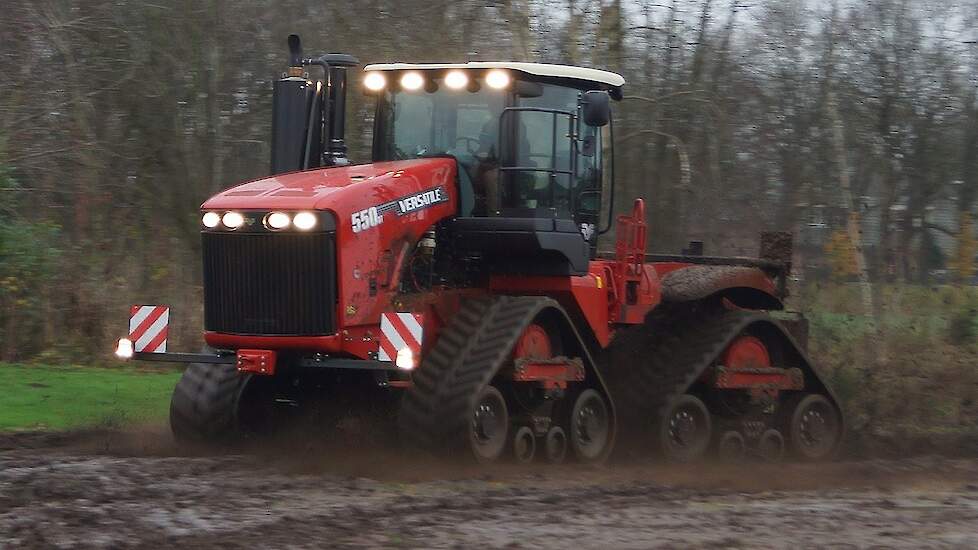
454,388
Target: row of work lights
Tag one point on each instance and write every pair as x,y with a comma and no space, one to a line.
411,81
275,221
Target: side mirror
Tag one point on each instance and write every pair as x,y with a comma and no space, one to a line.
597,108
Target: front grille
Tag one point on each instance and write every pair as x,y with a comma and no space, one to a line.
270,283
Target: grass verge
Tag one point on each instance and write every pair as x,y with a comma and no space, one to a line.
43,397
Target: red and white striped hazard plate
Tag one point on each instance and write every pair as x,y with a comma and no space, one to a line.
398,330
148,328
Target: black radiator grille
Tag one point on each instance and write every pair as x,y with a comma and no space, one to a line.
270,283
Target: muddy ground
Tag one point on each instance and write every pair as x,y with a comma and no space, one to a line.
122,489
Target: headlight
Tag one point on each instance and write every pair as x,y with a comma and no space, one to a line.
304,221
277,221
211,219
497,79
233,220
456,80
374,81
412,81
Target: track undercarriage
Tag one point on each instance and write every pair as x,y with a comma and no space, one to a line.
511,377
700,377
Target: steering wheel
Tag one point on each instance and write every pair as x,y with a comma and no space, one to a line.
468,144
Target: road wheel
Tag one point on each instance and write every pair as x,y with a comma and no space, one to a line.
770,446
590,427
731,447
489,426
684,432
813,427
555,445
524,445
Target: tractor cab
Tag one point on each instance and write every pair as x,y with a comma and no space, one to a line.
533,147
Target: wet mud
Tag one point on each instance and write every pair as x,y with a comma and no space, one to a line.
140,489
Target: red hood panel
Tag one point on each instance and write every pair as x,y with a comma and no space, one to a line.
309,189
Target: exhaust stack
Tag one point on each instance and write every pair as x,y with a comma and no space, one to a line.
309,117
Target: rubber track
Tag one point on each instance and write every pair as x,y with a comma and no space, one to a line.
204,403
653,364
436,410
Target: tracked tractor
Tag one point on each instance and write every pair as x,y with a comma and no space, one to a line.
459,283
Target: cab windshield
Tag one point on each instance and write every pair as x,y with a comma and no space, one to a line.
534,171
457,123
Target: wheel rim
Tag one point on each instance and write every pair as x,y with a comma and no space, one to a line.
687,429
683,428
590,426
813,428
534,343
489,425
816,428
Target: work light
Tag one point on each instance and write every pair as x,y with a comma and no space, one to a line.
456,80
497,79
412,81
374,81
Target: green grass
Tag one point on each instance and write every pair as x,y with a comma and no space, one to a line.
55,398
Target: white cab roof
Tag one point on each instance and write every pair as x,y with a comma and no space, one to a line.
538,69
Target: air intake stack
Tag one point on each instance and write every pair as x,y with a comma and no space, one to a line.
308,117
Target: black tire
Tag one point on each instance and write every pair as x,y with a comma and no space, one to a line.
731,447
770,446
524,445
204,405
555,445
813,427
684,432
489,426
590,427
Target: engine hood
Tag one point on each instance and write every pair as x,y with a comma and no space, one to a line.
325,188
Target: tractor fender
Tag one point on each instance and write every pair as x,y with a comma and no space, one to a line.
746,287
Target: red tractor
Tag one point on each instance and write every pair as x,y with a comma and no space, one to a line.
456,282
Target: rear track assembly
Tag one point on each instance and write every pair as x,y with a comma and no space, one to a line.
651,366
